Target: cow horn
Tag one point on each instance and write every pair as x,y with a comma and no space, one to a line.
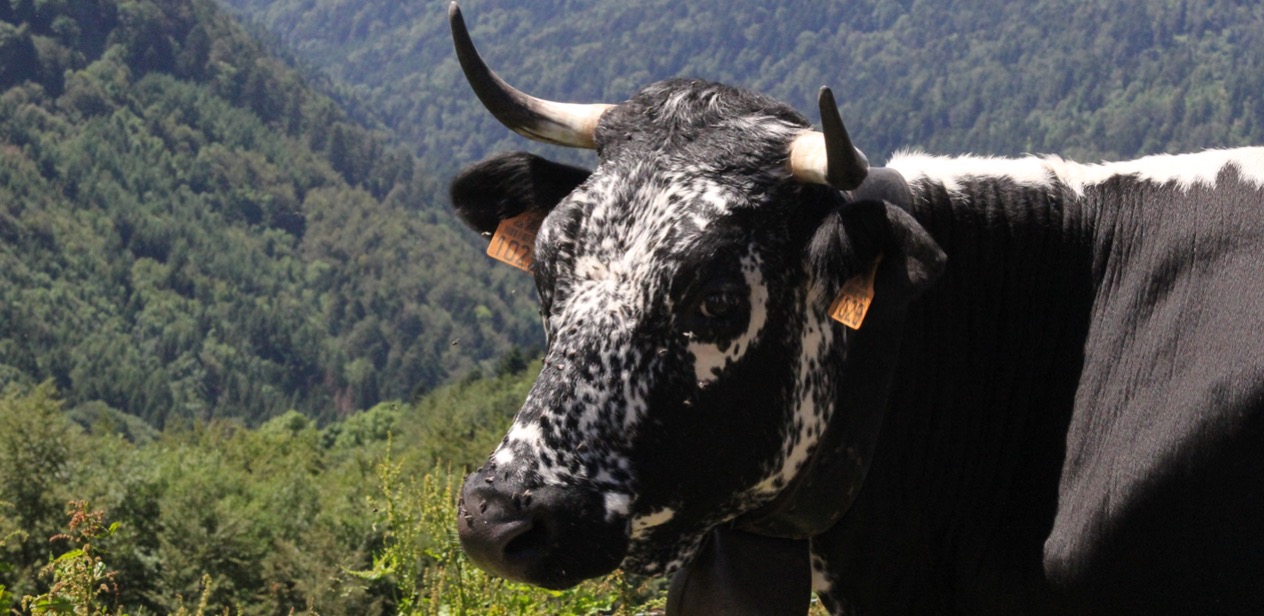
828,157
557,123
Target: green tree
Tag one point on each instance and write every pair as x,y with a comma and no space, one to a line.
162,210
36,441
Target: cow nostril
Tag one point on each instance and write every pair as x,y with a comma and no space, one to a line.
546,535
533,542
503,530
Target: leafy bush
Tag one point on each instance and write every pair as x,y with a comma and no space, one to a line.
355,518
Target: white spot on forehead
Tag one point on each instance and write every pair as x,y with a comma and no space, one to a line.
708,360
620,247
712,194
627,227
1185,170
643,523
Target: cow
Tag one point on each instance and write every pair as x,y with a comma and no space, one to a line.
950,385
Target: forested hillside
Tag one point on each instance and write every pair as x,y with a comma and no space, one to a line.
188,230
1089,79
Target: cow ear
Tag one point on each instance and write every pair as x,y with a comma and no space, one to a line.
850,239
507,185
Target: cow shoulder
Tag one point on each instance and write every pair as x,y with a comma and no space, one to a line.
509,184
1160,487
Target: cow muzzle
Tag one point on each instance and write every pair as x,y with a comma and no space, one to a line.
550,536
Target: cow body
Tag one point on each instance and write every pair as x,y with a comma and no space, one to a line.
1100,315
1053,406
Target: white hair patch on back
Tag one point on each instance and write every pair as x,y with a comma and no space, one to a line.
1184,170
950,171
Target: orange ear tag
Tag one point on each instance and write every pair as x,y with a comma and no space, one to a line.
514,239
852,303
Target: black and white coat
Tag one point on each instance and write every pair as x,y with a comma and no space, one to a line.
1065,361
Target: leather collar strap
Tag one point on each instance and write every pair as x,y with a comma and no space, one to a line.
830,480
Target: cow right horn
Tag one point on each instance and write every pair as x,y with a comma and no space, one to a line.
828,157
557,123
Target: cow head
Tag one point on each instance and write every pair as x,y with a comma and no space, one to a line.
684,287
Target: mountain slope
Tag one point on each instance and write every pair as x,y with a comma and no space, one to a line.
187,230
1087,79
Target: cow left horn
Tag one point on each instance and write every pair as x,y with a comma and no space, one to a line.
828,157
557,123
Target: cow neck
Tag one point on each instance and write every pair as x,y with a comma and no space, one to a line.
883,184
824,489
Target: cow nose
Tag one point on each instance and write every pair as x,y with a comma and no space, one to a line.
550,536
501,531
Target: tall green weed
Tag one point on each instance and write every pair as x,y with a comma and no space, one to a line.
432,577
82,583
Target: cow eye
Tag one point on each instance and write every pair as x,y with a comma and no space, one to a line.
719,305
719,311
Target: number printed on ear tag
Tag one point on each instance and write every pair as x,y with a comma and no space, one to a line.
852,303
514,239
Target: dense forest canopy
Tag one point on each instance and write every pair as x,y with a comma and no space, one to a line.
1089,80
188,230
